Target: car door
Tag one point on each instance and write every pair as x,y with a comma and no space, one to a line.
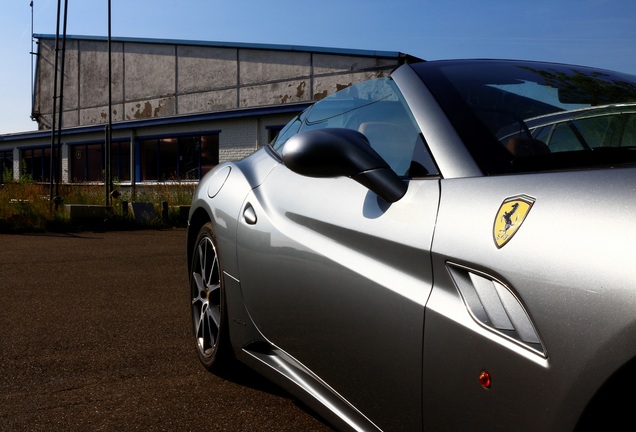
337,277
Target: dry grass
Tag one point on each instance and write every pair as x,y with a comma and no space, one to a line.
25,205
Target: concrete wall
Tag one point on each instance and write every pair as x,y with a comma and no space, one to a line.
152,80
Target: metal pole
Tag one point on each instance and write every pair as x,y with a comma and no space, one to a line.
57,33
32,54
109,128
57,199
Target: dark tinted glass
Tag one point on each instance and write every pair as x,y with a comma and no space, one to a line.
525,116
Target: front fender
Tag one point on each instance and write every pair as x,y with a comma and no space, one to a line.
219,198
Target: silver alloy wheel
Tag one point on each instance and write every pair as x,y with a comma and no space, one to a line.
206,299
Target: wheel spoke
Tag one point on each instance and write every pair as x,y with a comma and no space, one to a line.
199,330
200,295
213,267
201,254
211,328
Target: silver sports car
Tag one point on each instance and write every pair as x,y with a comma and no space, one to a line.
452,247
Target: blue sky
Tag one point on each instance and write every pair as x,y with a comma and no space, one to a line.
598,33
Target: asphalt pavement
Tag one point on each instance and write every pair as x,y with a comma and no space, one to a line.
95,335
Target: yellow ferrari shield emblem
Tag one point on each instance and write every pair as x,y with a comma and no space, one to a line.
510,216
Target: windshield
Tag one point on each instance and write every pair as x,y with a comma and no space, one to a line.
526,116
377,109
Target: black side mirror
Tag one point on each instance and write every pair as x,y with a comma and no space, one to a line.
338,152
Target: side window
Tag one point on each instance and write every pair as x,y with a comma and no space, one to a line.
377,109
290,129
595,131
629,134
564,138
584,133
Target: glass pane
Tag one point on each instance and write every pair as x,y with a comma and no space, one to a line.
518,103
168,159
46,164
288,131
36,165
121,161
149,169
27,161
94,163
376,109
189,157
78,163
6,165
629,134
209,152
594,130
564,139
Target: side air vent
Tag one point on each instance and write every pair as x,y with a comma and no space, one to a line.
494,306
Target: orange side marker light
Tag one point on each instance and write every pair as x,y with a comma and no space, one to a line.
485,379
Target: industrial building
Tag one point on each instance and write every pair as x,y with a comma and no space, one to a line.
177,107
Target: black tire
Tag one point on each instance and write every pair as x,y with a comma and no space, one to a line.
208,304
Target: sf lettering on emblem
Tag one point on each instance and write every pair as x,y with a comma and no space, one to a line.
510,216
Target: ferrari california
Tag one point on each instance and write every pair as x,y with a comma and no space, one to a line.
451,247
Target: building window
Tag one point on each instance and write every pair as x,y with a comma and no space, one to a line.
120,161
272,133
36,163
178,158
6,165
209,153
157,159
87,162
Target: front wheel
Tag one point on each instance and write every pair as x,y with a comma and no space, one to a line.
209,316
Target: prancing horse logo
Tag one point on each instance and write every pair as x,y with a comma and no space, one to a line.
511,214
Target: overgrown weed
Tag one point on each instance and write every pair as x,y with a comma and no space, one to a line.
25,206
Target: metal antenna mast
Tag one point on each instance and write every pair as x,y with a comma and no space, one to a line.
107,169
